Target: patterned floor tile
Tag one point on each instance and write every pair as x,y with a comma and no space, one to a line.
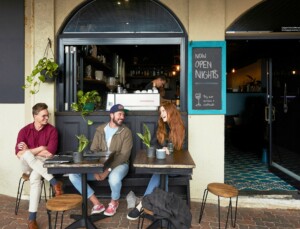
246,171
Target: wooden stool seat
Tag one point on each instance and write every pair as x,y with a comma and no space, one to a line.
225,191
146,211
150,215
62,203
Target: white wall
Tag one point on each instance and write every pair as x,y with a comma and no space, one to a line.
11,120
203,20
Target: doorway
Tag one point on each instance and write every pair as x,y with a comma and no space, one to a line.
261,137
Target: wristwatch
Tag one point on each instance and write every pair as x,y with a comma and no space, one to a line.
109,169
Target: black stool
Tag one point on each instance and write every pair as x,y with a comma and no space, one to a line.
221,190
23,179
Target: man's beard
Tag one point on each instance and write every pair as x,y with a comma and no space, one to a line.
116,122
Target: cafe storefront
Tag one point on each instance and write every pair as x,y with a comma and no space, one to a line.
76,26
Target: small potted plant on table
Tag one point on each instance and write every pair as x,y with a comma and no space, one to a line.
146,139
82,144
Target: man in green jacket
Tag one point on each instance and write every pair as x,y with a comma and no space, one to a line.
115,138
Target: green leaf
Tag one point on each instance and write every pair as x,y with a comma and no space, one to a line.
82,142
146,136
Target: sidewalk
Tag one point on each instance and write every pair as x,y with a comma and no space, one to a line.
250,218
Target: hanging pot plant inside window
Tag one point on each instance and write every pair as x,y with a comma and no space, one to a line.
86,103
44,71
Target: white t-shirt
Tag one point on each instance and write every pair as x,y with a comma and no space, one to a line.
109,132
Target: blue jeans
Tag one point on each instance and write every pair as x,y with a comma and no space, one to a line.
155,182
115,178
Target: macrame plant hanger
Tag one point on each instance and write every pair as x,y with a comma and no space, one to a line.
49,46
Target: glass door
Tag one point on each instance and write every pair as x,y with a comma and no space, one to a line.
283,117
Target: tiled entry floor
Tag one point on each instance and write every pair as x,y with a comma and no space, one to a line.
246,171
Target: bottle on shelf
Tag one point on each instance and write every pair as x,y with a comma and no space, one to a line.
154,87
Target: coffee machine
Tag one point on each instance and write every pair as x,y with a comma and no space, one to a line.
134,101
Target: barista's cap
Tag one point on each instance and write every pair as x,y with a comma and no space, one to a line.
117,107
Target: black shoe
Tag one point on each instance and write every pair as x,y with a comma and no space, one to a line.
134,214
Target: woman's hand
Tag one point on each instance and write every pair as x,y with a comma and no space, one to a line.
167,150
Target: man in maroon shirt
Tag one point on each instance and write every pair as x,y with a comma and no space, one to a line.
36,142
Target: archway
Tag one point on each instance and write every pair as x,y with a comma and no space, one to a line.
265,38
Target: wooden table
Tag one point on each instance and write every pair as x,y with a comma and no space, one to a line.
91,166
179,162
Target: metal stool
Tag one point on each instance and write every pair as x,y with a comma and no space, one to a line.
61,204
23,179
221,190
149,214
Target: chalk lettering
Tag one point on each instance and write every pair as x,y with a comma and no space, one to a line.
213,74
203,64
200,55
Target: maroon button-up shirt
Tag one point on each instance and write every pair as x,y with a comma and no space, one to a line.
47,136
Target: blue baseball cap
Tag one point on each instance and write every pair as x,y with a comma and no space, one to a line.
117,107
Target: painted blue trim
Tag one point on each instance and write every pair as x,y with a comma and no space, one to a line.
205,44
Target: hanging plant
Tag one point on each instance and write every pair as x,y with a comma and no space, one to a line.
86,103
46,68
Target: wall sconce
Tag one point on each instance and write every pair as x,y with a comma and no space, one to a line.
178,68
233,70
293,72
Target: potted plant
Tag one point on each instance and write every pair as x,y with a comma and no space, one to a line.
82,144
146,139
86,103
46,68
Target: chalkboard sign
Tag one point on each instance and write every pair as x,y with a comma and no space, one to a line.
206,78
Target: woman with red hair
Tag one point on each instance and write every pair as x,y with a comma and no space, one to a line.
170,129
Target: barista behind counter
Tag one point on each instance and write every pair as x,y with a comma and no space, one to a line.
158,83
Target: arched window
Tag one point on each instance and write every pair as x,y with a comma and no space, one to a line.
121,28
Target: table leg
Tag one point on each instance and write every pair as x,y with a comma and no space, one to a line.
84,220
163,182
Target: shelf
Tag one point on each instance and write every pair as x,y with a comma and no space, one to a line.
86,80
140,77
96,63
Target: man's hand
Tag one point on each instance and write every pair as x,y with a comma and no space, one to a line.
101,176
22,146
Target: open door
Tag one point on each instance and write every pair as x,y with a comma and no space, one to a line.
283,118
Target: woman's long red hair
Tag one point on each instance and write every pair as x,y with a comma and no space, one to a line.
175,122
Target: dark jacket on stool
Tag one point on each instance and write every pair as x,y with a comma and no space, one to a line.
169,206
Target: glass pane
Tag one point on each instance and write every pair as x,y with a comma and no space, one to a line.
134,16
